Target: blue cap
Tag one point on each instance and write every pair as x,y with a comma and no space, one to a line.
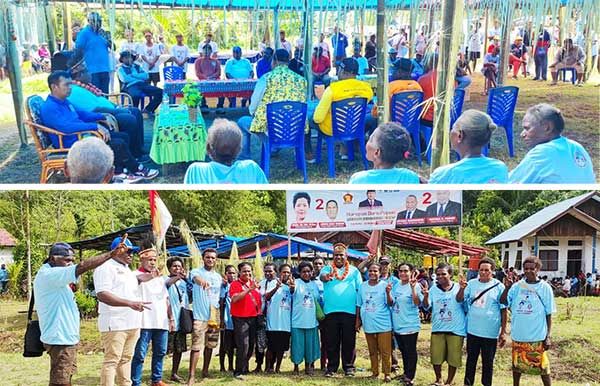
117,241
237,48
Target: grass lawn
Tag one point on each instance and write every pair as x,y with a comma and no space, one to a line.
580,107
575,358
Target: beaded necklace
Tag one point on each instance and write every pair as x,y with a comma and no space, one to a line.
90,87
346,271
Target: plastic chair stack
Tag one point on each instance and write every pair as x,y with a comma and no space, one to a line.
286,122
348,124
171,73
405,110
501,108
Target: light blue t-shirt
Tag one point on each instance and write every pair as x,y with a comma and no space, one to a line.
176,305
363,65
3,275
85,100
480,170
448,315
483,316
340,296
405,314
385,176
560,161
55,303
266,286
95,50
319,284
238,69
202,299
279,311
374,310
528,310
241,172
227,319
303,304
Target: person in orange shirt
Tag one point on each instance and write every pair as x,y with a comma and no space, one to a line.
428,83
401,81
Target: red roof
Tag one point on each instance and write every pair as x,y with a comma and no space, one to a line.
424,242
6,239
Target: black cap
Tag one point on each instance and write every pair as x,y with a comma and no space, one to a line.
282,55
60,249
349,65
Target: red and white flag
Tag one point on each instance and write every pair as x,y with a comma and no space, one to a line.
161,218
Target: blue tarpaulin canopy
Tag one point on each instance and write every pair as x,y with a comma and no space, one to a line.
269,243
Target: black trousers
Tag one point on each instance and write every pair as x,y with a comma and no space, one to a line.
244,331
487,348
340,330
408,348
119,143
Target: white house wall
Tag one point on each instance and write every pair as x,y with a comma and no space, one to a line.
6,256
528,248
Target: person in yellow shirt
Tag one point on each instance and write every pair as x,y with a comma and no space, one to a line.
401,81
346,87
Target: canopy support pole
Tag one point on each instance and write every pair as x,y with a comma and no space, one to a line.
308,43
485,33
14,69
460,251
276,40
362,28
383,104
452,16
507,24
67,32
49,16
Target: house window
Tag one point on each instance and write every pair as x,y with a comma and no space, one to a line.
575,243
549,259
549,243
506,245
505,260
519,243
519,260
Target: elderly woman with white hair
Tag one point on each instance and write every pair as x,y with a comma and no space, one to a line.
553,158
223,145
90,161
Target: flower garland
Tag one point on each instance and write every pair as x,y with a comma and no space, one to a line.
90,87
346,271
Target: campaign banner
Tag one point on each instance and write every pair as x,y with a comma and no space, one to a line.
325,211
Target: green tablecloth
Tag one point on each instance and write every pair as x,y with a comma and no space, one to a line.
176,139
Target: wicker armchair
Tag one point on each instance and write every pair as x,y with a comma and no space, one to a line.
52,158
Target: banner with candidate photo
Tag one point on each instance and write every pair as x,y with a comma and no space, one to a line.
325,211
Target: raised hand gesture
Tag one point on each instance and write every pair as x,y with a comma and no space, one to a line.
292,283
388,287
424,290
253,286
508,281
462,281
413,280
121,249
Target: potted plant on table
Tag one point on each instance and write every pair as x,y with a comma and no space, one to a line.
192,98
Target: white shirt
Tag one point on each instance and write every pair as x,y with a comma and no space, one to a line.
180,53
119,280
213,47
150,53
287,46
475,42
155,291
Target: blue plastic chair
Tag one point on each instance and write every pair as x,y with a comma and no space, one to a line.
171,73
563,74
405,110
142,97
501,108
455,111
286,122
347,124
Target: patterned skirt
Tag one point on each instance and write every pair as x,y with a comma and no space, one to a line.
530,358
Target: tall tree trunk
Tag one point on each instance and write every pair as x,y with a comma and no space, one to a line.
50,30
507,24
452,16
382,81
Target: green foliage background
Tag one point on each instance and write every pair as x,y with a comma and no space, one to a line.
75,215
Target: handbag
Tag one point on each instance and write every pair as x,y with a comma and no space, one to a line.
33,346
186,317
318,310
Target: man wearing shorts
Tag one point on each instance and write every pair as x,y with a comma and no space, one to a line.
531,304
205,304
56,308
447,325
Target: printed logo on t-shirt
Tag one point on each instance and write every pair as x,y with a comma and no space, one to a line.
285,303
524,306
307,301
444,313
580,159
370,305
481,302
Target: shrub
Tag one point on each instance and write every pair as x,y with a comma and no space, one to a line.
87,305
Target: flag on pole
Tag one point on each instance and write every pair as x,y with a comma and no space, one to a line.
258,267
373,243
160,216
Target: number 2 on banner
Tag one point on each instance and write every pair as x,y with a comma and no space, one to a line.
319,204
426,198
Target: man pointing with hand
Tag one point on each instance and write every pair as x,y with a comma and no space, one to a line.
119,312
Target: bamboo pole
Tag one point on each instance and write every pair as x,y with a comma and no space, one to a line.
50,30
28,244
460,250
381,62
276,39
14,69
452,16
505,40
67,32
308,43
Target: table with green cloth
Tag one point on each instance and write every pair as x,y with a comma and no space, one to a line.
176,139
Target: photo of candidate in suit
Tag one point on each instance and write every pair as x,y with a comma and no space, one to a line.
331,207
370,202
444,207
411,209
